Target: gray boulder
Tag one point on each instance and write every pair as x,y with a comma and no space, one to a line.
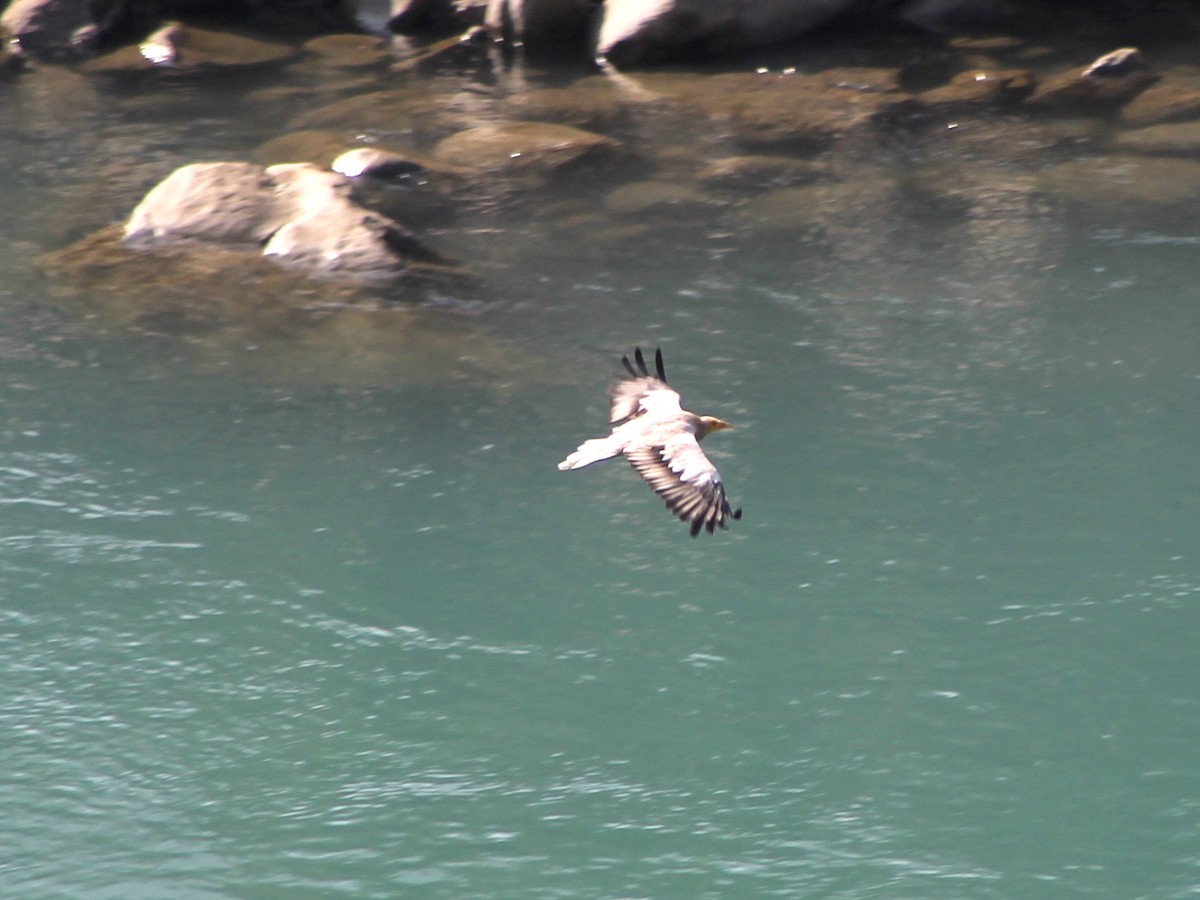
634,32
326,229
297,213
228,202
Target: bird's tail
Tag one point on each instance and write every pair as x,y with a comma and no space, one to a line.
591,451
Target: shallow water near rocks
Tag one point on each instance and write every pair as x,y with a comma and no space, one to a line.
282,619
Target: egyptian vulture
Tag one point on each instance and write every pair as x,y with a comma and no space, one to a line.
661,440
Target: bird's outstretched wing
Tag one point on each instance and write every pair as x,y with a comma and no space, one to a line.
642,392
686,479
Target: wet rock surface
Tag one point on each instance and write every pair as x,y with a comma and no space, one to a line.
1108,83
525,147
184,50
278,326
1174,99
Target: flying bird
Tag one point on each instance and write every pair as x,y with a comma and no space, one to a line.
661,440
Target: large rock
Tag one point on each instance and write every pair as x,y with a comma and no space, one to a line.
326,230
297,213
633,32
229,202
54,28
1102,88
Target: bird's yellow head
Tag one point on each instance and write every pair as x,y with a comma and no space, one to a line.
712,423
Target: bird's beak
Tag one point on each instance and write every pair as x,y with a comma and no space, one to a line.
718,424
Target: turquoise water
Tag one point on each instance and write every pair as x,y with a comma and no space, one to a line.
314,637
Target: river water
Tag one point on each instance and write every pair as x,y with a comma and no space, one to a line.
324,636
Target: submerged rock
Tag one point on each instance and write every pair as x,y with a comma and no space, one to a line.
654,198
183,49
1120,188
180,289
1176,139
418,115
593,104
768,111
224,309
981,87
315,146
760,172
1174,99
348,51
844,214
525,147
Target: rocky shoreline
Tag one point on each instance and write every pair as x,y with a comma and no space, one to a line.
993,141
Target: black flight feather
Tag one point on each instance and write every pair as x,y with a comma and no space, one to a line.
628,367
641,361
